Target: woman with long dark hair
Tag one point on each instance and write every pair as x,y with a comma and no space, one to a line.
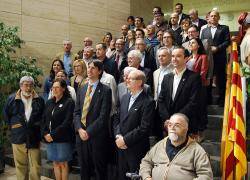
57,128
198,63
56,66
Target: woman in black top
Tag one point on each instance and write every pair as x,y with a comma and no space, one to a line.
57,130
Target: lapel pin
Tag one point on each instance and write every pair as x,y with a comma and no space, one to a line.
60,105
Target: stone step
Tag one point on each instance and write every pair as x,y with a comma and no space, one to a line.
215,122
47,171
9,159
212,135
211,147
215,163
215,110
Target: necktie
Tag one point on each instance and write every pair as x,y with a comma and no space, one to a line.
86,104
117,59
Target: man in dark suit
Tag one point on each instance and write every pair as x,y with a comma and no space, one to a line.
178,9
219,36
91,116
120,56
110,65
175,27
180,91
193,14
132,127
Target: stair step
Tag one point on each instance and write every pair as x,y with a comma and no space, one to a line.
47,171
213,135
215,110
212,148
9,159
215,122
215,163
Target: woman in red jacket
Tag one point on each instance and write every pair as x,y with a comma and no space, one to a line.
198,63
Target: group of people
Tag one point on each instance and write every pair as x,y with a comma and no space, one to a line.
106,102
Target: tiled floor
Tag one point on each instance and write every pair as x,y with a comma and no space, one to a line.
10,174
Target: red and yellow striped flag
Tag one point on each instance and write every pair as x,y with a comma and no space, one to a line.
234,161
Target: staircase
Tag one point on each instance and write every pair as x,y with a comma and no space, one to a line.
213,138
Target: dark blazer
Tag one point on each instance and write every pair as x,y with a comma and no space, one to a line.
98,114
201,22
186,100
110,67
221,40
149,61
58,118
134,125
183,16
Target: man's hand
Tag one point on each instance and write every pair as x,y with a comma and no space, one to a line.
148,178
120,142
214,49
83,134
48,138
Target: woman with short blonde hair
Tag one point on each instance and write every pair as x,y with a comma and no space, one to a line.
80,74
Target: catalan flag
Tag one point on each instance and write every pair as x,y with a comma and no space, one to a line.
233,148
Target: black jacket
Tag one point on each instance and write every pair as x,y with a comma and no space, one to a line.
186,99
98,113
58,118
135,125
23,131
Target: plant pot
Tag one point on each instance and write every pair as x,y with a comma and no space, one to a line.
2,162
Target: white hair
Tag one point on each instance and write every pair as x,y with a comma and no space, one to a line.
128,69
26,78
164,48
135,53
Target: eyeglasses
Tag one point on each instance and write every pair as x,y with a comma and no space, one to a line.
132,79
173,125
27,85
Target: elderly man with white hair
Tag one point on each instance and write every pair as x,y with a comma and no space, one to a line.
23,113
133,124
122,87
177,156
134,60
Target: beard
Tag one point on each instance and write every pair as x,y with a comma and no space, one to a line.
26,94
173,137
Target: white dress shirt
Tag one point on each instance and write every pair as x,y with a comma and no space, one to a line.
133,98
177,79
163,71
213,30
27,106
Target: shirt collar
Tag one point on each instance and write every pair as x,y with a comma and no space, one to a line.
94,84
136,95
181,73
169,66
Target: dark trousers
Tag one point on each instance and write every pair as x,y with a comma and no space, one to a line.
92,159
220,74
127,164
203,109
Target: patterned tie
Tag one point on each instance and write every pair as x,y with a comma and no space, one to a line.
86,104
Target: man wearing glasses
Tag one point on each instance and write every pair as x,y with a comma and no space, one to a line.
23,113
132,127
177,156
